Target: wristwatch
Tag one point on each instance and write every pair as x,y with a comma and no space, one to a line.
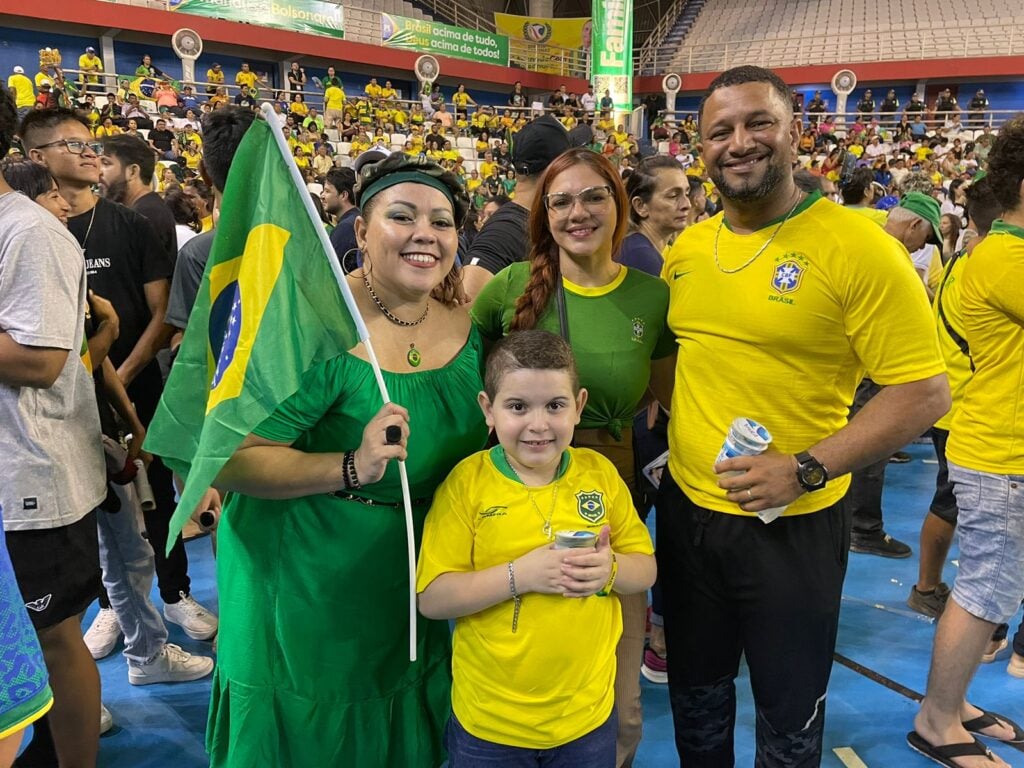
810,473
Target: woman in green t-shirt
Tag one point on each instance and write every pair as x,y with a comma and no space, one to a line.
615,320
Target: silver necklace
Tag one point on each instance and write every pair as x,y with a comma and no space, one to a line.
760,250
92,218
546,528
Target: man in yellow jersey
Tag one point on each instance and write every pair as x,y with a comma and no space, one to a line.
986,464
914,222
929,595
90,65
246,77
24,93
779,307
858,195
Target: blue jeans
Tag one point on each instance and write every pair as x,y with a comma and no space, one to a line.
593,750
128,568
990,582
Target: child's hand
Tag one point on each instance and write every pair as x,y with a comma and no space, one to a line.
586,571
541,571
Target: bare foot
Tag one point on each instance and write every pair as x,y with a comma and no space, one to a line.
999,730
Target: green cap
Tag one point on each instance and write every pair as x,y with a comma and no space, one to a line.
927,207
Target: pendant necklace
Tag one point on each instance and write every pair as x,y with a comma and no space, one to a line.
413,356
760,250
546,528
85,240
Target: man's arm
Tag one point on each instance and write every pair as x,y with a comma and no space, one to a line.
23,366
890,420
474,278
154,338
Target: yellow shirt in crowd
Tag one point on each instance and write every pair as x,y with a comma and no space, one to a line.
246,78
24,93
988,430
958,361
786,339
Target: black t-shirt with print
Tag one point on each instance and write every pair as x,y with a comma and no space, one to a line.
121,255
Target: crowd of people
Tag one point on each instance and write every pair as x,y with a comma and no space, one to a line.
599,313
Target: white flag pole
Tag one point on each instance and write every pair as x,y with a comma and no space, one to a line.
364,336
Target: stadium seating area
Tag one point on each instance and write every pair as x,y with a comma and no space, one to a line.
778,33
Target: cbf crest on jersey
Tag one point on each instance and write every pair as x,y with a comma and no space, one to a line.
590,505
789,272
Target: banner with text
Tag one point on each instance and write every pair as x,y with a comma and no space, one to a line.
443,39
308,16
561,45
612,64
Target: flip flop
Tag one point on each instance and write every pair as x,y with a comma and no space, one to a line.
988,719
944,754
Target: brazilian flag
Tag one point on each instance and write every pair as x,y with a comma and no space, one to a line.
268,309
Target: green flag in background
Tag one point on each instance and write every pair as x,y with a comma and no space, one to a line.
268,309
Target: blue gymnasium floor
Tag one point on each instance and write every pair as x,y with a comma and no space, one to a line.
163,725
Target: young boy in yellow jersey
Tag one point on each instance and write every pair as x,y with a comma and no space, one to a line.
536,626
985,454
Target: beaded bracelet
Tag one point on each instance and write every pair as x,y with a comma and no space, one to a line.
517,599
349,471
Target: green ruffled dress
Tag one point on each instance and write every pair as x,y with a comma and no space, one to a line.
313,668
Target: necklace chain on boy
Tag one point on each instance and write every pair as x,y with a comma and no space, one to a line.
546,528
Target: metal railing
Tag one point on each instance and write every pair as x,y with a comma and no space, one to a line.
880,44
645,56
840,123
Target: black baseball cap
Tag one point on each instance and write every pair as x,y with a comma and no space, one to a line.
538,143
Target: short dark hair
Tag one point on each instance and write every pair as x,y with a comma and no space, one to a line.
1006,163
499,199
8,122
343,180
807,181
182,209
644,178
529,350
41,120
982,207
746,74
223,130
131,150
25,176
855,188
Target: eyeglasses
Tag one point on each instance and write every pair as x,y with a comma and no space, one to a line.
592,198
76,147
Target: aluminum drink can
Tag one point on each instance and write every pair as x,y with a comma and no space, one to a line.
575,539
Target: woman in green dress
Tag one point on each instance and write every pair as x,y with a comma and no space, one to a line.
311,565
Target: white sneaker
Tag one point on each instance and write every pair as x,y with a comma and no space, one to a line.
106,719
198,623
171,665
103,634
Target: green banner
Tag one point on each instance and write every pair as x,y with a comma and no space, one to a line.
309,16
612,62
443,39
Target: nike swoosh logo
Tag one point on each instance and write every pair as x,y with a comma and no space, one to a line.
677,275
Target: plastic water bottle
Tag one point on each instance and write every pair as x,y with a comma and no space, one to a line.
747,437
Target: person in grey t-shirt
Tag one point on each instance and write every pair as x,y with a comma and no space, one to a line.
52,464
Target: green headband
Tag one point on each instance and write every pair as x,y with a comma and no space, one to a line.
401,177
